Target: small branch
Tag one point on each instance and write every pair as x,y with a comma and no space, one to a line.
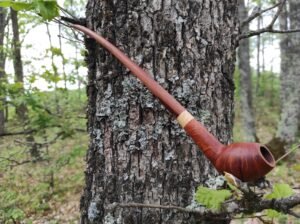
285,31
266,30
294,214
281,205
287,153
80,21
167,207
245,206
41,144
66,12
17,133
15,162
269,28
277,13
257,14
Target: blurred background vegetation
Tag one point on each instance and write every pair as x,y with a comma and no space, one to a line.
43,137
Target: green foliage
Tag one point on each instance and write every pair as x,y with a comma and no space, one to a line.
47,9
266,104
16,5
279,191
28,191
211,198
296,167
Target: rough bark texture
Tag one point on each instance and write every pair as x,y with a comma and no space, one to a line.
3,20
290,78
245,80
21,109
137,152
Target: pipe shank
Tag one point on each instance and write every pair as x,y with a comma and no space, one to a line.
210,146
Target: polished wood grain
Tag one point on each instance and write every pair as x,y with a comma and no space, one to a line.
246,161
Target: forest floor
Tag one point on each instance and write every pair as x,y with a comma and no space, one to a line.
42,192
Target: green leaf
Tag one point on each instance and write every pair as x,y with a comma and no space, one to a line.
272,213
296,167
16,5
280,191
211,198
56,51
21,6
47,9
5,3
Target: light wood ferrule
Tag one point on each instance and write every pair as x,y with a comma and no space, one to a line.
184,118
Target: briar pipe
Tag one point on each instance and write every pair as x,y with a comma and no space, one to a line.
246,161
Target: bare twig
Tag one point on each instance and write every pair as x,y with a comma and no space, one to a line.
66,12
257,14
246,206
282,3
15,162
270,27
287,153
155,206
17,133
266,30
294,214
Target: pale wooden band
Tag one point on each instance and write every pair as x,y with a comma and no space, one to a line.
184,118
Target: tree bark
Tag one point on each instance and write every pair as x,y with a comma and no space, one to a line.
245,80
290,78
258,43
21,109
137,152
3,23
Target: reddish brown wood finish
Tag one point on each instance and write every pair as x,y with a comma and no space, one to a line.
247,161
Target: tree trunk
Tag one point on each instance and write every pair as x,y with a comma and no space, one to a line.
284,65
21,109
3,23
137,152
245,80
257,88
290,78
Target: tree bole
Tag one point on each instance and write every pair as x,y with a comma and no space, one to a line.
246,161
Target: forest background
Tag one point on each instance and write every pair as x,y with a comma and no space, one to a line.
43,138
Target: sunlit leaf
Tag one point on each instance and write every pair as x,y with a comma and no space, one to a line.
56,51
21,6
280,191
47,9
5,3
296,167
211,198
272,213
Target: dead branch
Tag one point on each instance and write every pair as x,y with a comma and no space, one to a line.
266,30
270,27
17,133
13,162
200,211
245,206
257,14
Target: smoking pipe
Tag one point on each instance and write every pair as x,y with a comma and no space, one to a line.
246,161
